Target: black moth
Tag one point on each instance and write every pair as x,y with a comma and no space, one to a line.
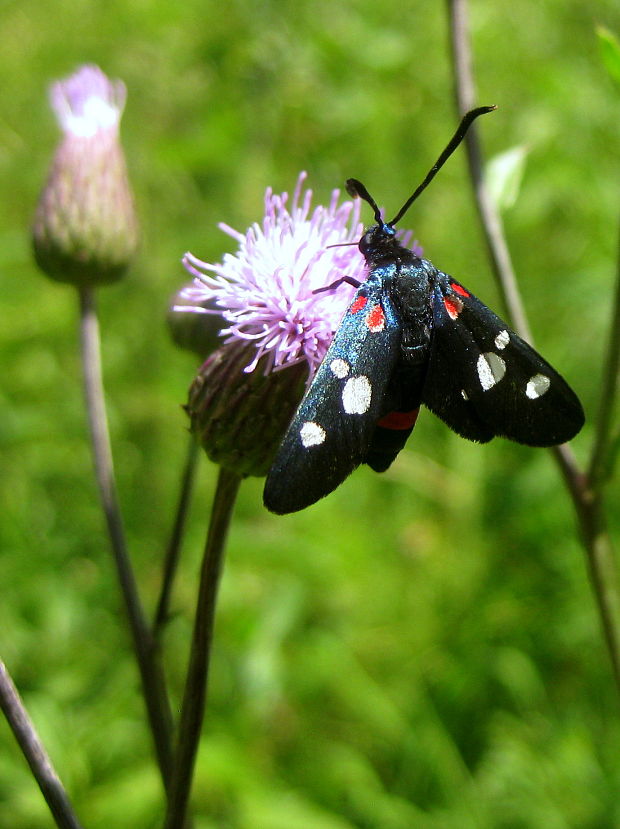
413,335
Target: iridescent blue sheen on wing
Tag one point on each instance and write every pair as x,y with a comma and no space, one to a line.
332,429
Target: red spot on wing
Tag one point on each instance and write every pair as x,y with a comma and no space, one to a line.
453,305
376,319
399,420
459,289
358,304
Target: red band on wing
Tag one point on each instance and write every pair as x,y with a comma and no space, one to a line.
399,420
459,289
359,303
454,306
376,319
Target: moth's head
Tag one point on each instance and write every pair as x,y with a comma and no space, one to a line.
379,241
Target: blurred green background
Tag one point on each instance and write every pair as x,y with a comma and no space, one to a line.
421,649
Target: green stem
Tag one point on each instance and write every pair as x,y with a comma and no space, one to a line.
585,489
603,575
35,754
151,673
491,222
193,708
171,560
603,451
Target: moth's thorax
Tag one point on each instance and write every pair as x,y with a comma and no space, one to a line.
413,281
411,288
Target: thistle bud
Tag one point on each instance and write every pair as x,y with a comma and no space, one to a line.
194,323
85,229
239,417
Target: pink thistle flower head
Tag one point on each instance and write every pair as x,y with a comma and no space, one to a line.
88,102
265,292
85,229
275,327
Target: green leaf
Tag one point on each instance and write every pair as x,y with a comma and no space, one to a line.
609,47
504,174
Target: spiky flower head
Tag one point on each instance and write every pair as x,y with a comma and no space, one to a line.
265,293
85,230
275,328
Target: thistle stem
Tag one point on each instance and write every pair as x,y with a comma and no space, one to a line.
171,560
151,673
603,574
465,93
193,708
585,489
603,449
35,754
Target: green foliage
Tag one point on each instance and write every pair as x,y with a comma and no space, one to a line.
610,52
422,648
504,175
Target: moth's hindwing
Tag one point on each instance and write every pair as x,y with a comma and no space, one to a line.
332,429
484,380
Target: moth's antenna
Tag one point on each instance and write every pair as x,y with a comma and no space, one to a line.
341,245
356,188
456,139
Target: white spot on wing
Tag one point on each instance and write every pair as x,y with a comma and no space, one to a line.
537,386
340,368
464,394
502,339
491,369
311,434
356,395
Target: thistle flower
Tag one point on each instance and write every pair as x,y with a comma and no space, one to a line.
85,228
266,291
275,328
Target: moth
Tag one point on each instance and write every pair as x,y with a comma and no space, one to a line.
413,335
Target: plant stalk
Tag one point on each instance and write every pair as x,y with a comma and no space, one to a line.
194,700
173,551
585,488
151,673
33,750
